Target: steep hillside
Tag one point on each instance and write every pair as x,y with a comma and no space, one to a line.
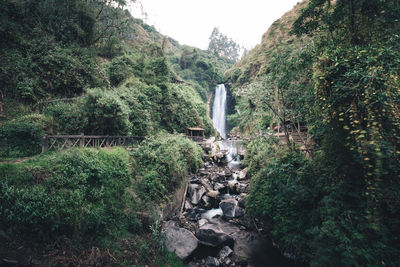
334,205
93,206
257,61
248,76
118,67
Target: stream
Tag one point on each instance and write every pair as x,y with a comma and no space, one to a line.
214,228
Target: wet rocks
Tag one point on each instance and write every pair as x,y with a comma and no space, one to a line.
228,207
202,172
246,221
242,174
245,245
237,187
228,173
194,214
213,193
196,192
187,205
232,185
219,187
180,241
206,201
209,237
206,183
202,222
225,252
242,200
214,212
239,212
212,262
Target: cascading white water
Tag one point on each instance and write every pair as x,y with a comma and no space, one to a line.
232,156
219,109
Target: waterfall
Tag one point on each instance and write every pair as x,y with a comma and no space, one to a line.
219,109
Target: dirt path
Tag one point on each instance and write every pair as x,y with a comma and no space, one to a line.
15,161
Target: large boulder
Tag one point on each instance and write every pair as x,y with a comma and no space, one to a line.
228,207
250,248
196,192
211,238
180,241
208,144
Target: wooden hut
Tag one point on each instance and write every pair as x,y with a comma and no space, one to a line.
195,133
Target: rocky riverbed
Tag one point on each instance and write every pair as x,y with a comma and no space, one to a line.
213,228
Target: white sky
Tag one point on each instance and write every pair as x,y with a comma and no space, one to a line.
191,22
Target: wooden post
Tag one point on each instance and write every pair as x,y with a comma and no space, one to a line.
82,141
45,144
107,141
40,107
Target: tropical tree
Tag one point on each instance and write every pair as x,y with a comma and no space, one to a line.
223,46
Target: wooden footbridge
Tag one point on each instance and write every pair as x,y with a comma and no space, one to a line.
58,142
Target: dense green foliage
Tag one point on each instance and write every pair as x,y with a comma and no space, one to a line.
68,118
23,136
94,197
124,74
77,193
201,68
162,163
322,210
339,207
125,78
50,53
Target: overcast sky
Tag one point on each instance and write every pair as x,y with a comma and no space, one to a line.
191,22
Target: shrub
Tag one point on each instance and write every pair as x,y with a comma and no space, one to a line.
183,108
320,209
283,194
143,111
119,69
79,193
161,164
44,70
69,118
106,113
23,136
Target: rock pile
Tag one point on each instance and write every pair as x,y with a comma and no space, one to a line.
214,229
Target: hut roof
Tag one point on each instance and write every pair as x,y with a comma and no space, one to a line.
195,129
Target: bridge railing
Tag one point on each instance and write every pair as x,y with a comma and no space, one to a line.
58,142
